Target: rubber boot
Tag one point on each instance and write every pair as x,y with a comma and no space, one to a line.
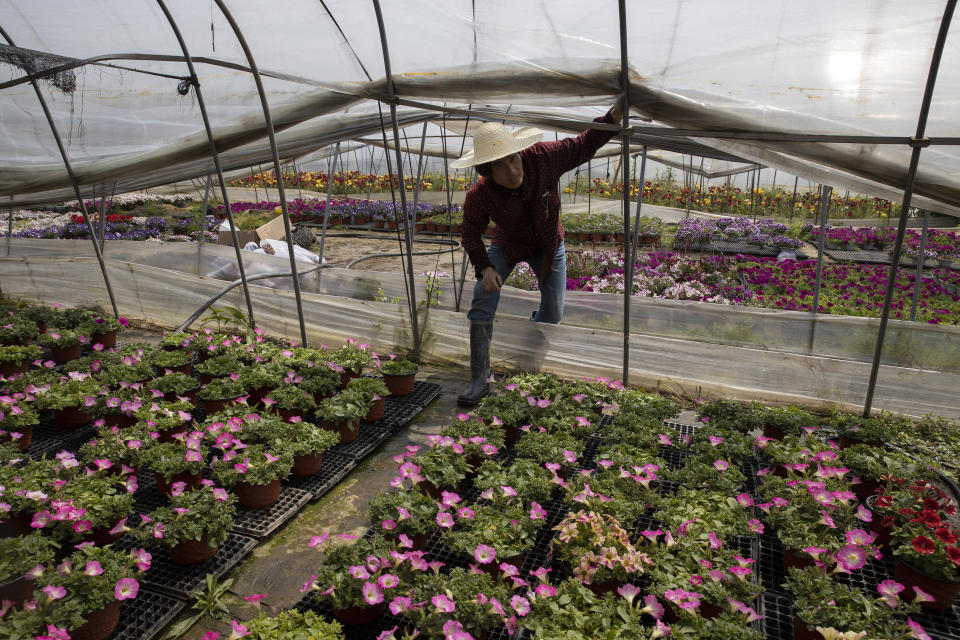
480,337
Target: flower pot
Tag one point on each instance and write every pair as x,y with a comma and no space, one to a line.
8,369
185,369
845,442
510,433
866,488
431,226
66,354
358,615
99,624
193,481
420,226
167,436
119,420
190,394
18,590
792,558
192,551
26,438
596,237
455,228
348,431
71,417
943,591
401,385
108,339
346,376
257,496
607,586
213,406
306,465
492,569
17,524
286,414
101,536
206,378
773,431
376,410
419,540
431,490
802,632
378,224
256,396
884,534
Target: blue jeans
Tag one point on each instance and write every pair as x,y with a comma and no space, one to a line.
484,305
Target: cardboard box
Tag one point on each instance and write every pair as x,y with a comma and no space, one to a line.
273,230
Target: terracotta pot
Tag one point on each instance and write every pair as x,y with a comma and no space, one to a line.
945,592
65,355
119,420
190,394
344,429
213,406
8,369
772,431
17,524
18,590
100,624
101,536
25,440
376,410
791,558
257,496
193,481
845,442
346,376
306,465
71,417
802,632
359,615
596,237
108,339
400,385
192,551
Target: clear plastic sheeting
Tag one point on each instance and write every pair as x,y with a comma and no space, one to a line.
756,352
819,67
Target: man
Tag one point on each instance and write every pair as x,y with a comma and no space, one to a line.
519,191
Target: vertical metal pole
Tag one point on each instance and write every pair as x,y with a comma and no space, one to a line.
793,201
276,162
102,231
215,154
917,143
919,279
299,182
73,179
10,221
416,187
625,171
203,212
407,227
824,209
253,183
636,221
457,291
589,186
326,206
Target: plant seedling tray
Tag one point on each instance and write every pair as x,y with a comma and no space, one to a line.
335,468
674,457
395,415
182,581
777,612
423,394
262,522
145,616
682,429
367,440
69,439
44,447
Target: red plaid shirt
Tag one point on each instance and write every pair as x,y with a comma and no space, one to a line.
527,220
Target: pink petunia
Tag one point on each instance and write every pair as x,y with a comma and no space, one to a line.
445,520
443,603
545,590
372,593
521,605
54,592
126,589
484,554
93,568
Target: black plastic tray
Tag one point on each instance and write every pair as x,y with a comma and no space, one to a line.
335,468
70,439
41,447
262,522
182,581
369,631
869,257
395,415
682,429
145,616
423,394
368,439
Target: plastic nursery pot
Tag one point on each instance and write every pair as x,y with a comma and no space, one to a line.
213,406
101,535
108,339
206,378
376,410
192,481
400,385
65,355
793,559
418,541
884,534
100,624
431,490
191,551
257,395
190,394
358,615
71,417
802,632
257,496
13,368
346,376
306,465
18,591
119,420
943,591
607,586
348,431
846,441
866,488
17,524
773,431
26,438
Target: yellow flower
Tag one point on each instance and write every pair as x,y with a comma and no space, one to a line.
829,633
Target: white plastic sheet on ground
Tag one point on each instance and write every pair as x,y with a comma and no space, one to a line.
680,346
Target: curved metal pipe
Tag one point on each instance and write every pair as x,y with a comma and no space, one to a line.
449,249
73,180
276,161
216,160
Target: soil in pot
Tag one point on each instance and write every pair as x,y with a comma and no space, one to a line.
257,496
100,624
192,551
400,385
348,432
306,465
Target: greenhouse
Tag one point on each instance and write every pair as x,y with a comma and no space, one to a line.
247,383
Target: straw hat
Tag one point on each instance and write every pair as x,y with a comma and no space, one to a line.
493,141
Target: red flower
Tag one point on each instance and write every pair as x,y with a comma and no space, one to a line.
954,554
930,503
924,545
928,518
907,512
946,535
883,502
886,522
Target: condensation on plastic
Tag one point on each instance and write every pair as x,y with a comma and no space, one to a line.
855,67
678,345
